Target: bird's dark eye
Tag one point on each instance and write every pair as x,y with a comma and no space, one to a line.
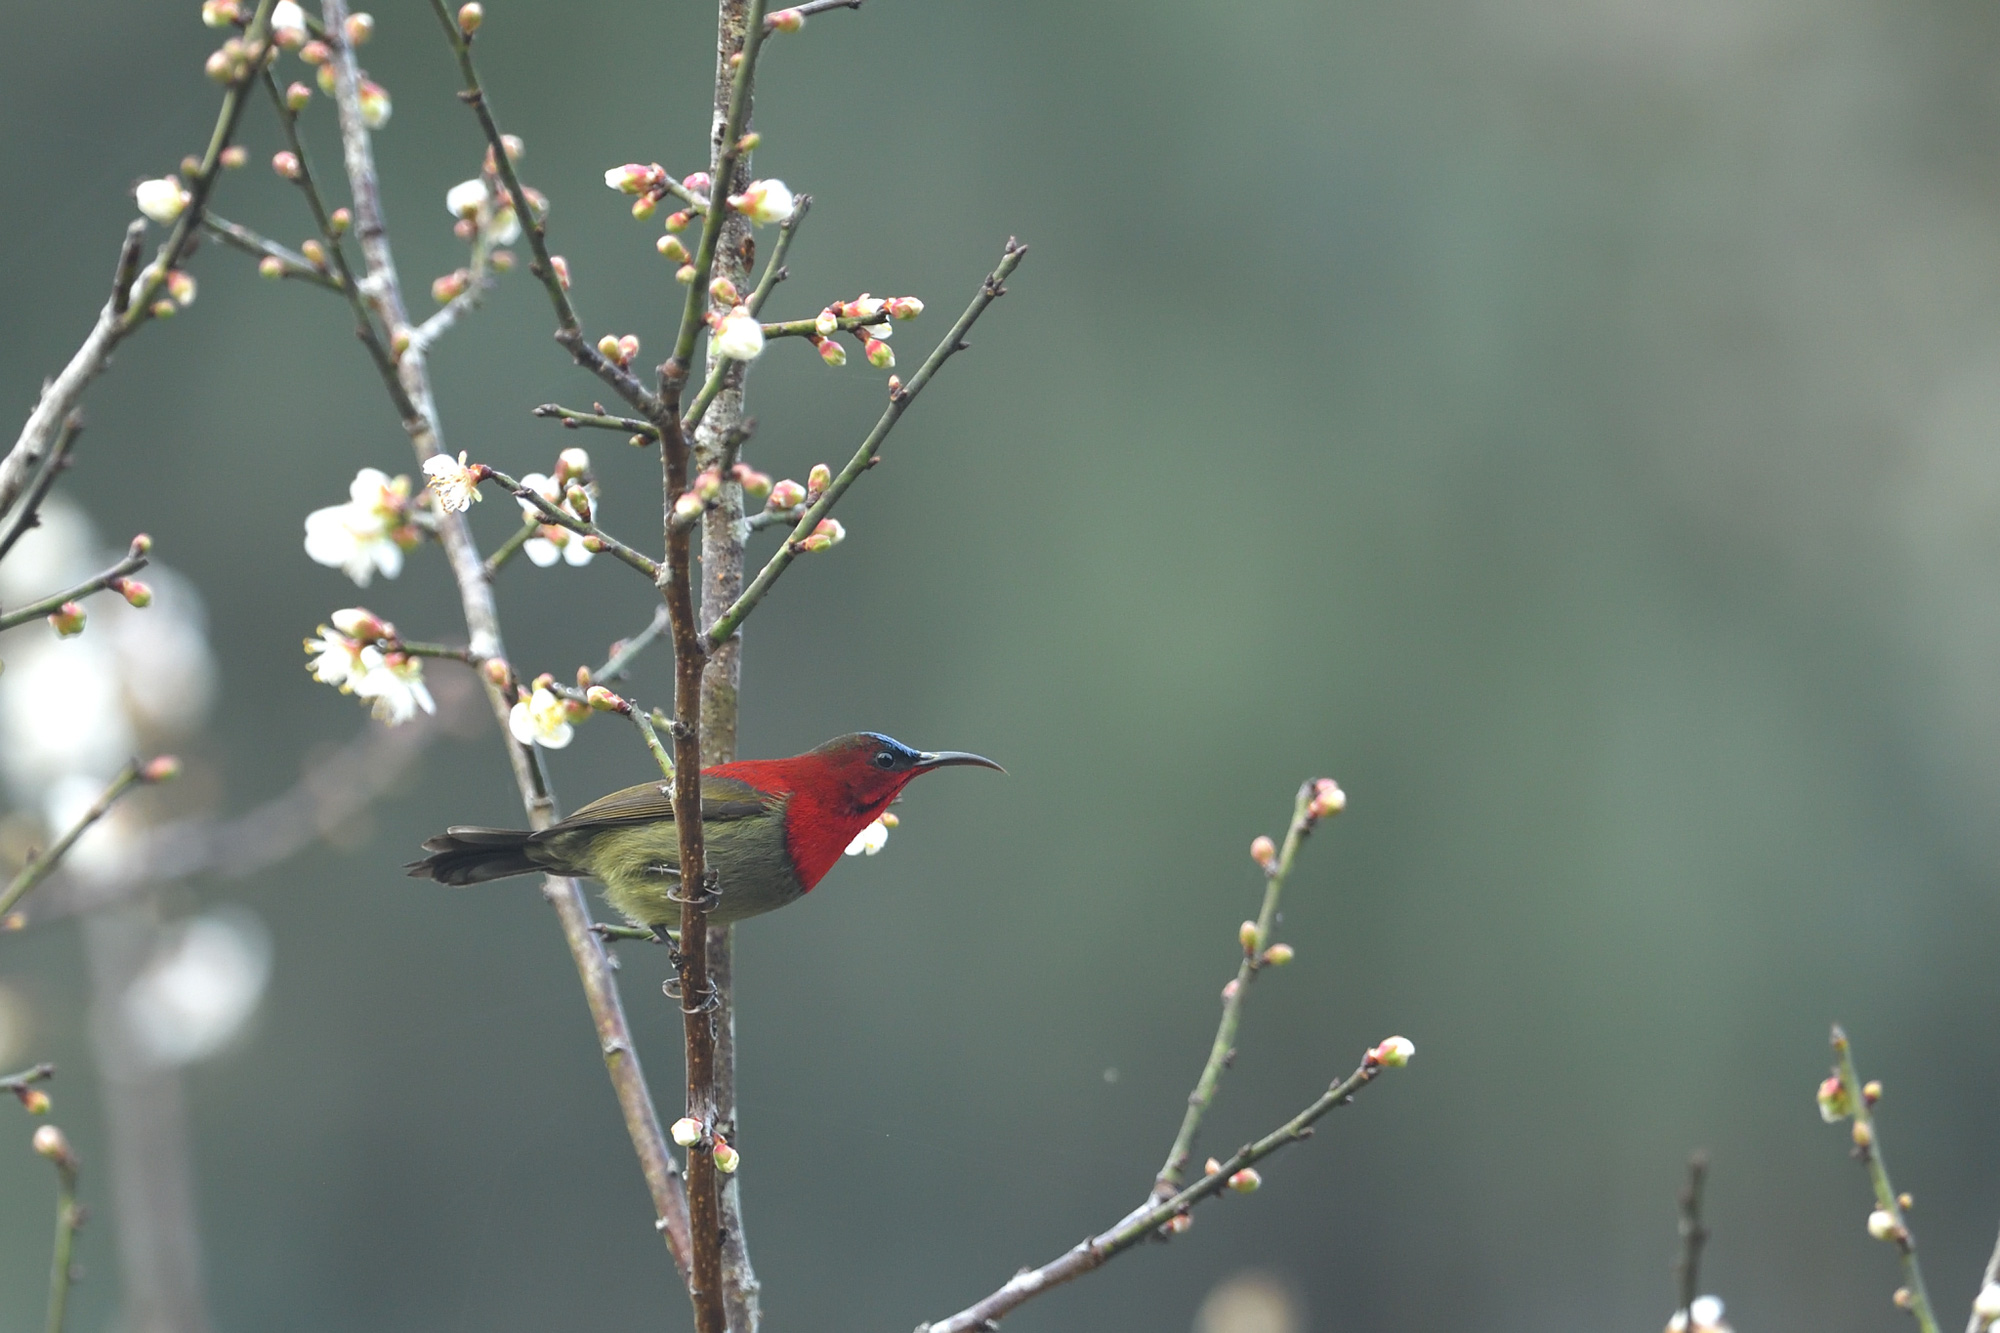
885,759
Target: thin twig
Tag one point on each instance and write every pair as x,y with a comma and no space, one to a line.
27,1078
954,341
1223,1050
69,1216
558,516
134,561
291,264
1136,1227
510,548
38,867
412,388
1868,1147
44,479
572,418
626,651
1687,1273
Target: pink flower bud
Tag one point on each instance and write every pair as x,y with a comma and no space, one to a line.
1392,1053
1249,937
764,201
270,266
561,266
708,485
286,164
830,529
134,592
786,20
1327,799
818,480
315,53
502,261
361,624
628,348
360,27
162,308
375,105
685,275
905,307
698,183
180,286
686,505
1177,1224
880,354
497,672
399,341
220,13
161,768
325,78
679,221
234,156
297,96
632,178
1834,1102
1278,955
33,1100
830,351
50,1143
686,1131
450,286
671,249
340,220
604,701
756,485
645,206
219,66
141,544
1245,1181
571,464
1230,990
68,620
723,291
727,1159
314,252
787,494
1263,851
470,16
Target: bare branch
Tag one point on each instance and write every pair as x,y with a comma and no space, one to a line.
572,418
557,516
38,867
1694,1235
1868,1148
26,513
134,561
291,264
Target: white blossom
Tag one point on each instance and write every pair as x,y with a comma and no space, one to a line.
365,536
505,228
199,988
554,543
286,16
465,199
451,482
163,199
764,201
541,719
739,337
393,685
870,840
336,660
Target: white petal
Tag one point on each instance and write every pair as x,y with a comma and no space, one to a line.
520,725
542,552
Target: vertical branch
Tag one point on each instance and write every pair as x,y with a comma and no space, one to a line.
1694,1235
417,406
1893,1226
49,1141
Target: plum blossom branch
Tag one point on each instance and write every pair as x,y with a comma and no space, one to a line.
44,478
1100,1249
510,548
626,651
134,774
1848,1097
26,1079
135,560
899,401
1687,1272
1317,799
412,389
51,1143
553,273
572,418
290,263
559,516
774,273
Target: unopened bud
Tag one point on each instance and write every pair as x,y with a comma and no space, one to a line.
607,347
727,1159
1906,1201
1249,936
68,620
1327,799
180,286
375,105
1901,1298
50,1143
219,66
1263,851
1882,1225
578,501
686,1131
880,354
400,340
1245,1181
604,701
787,494
670,248
1278,955
905,307
450,287
359,623
360,27
632,178
286,164
786,20
708,485
1834,1103
297,96
748,143
685,275
270,266
827,322
161,768
644,207
133,591
315,52
234,156
572,463
1987,1303
895,386
756,485
314,252
502,261
1178,1223
697,182
220,13
1871,1091
33,1100
679,221
723,291
1231,989
687,504
628,348
162,308
1393,1053
12,922
1211,1167
830,351
470,17
1864,1136
561,266
142,544
325,78
818,480
497,672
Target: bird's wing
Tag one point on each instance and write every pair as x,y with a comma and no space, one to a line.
649,802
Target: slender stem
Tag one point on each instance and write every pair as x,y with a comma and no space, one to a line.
292,263
27,1078
411,390
38,867
775,518
560,517
510,548
54,602
807,328
644,721
1694,1235
69,1216
626,651
774,273
606,931
1223,1050
1107,1245
1868,1147
572,418
44,479
989,291
569,330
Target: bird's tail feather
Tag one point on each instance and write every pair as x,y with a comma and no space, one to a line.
469,855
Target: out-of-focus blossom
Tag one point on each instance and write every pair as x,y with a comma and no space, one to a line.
375,105
199,989
739,336
393,685
554,543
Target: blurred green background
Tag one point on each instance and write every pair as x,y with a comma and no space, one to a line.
1569,423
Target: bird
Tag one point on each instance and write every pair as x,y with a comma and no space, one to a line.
771,829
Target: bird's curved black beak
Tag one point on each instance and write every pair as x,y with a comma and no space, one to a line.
946,758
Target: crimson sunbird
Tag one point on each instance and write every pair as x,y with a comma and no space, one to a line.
771,829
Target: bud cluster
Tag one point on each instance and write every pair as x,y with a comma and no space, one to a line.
1327,799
